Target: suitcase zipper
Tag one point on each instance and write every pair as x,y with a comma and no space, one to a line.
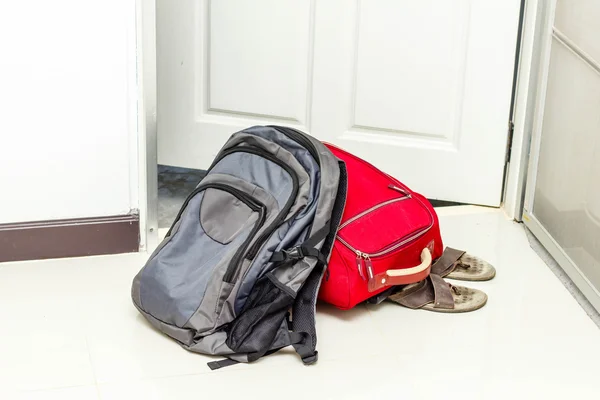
360,256
375,207
363,258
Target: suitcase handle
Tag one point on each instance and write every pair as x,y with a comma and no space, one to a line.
404,276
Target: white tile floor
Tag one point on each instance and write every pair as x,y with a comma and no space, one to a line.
68,331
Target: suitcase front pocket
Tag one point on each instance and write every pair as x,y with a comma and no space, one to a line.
383,229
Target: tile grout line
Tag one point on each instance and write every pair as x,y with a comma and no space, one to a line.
87,347
381,333
52,388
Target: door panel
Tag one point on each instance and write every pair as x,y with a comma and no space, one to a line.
420,88
263,69
226,65
385,99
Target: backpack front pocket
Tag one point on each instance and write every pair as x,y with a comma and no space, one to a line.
224,216
215,226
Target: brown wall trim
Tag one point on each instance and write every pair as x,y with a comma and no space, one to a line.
69,238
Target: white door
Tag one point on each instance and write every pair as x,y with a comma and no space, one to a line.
420,88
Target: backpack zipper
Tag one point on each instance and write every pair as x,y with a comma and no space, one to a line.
234,265
365,258
283,213
242,196
300,138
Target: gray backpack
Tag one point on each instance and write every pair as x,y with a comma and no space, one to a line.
249,245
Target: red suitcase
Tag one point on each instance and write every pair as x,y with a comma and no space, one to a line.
388,236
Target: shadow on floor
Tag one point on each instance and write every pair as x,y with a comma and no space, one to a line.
563,277
175,183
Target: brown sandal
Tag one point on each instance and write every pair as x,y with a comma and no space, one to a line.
435,294
457,264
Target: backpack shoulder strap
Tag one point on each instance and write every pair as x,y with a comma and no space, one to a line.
306,249
301,332
303,320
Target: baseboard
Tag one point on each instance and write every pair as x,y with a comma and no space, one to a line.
69,238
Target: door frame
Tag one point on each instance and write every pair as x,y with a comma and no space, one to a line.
527,75
527,90
535,114
146,122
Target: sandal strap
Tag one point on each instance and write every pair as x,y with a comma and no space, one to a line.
442,292
413,297
447,262
431,290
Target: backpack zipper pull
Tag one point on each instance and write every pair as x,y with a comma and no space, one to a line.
359,264
399,189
